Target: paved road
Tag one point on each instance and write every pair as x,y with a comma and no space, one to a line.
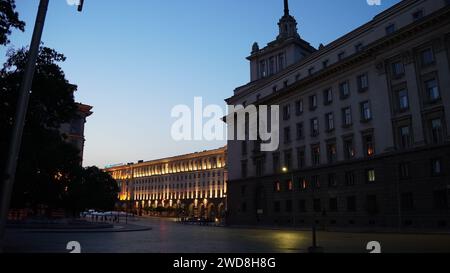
169,237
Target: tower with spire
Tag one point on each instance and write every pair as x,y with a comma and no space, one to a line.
288,48
287,24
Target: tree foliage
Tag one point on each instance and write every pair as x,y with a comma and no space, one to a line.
49,171
94,190
9,19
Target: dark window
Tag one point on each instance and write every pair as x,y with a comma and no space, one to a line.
300,133
243,190
417,15
325,64
329,121
332,180
344,90
262,68
366,112
347,117
299,107
390,29
315,155
288,159
407,201
363,82
398,69
276,163
328,96
405,137
301,158
333,204
341,56
276,206
402,100
244,207
359,47
259,167
351,203
350,178
280,61
440,198
436,166
287,112
437,133
331,153
244,169
302,205
315,182
372,204
311,71
287,134
288,205
427,57
286,83
314,127
271,66
312,102
244,147
317,205
432,90
404,171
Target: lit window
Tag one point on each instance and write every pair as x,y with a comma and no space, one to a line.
371,176
277,186
369,145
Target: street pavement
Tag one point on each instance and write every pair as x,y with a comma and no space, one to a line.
167,236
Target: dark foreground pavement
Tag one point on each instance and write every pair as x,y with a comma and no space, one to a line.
166,236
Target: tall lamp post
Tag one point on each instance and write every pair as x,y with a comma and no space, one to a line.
286,170
21,112
314,248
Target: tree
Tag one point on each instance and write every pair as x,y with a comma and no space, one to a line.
95,189
9,19
47,163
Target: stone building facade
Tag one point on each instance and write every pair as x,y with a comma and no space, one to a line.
364,126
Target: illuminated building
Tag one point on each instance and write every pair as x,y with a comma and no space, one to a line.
196,183
364,126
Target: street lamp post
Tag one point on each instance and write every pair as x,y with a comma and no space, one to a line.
286,170
21,112
314,248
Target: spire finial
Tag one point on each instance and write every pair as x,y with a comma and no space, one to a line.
286,7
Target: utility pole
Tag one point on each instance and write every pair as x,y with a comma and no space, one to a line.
19,120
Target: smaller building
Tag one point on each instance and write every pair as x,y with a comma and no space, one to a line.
193,185
74,130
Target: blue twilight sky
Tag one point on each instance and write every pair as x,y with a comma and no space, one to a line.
133,60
